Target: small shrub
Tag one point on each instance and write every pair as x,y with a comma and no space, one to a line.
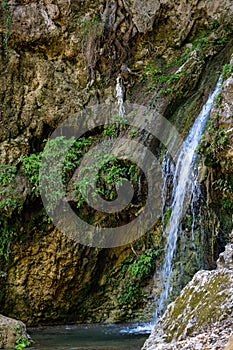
22,343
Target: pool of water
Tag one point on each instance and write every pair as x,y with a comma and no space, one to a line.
89,337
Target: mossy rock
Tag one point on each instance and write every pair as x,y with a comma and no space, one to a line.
208,298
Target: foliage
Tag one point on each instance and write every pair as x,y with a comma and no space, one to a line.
213,143
109,178
130,292
144,266
8,198
62,155
22,343
213,147
224,185
31,166
160,81
136,272
6,234
227,70
7,173
55,159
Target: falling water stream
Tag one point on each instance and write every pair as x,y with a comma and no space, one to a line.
184,188
120,97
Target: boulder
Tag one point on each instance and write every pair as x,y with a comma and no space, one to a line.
207,299
10,331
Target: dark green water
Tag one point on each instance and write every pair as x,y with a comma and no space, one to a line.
88,337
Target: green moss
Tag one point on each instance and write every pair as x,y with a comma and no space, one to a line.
199,303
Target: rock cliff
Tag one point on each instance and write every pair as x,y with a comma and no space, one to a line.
57,58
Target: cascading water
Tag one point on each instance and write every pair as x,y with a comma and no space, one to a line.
184,187
120,96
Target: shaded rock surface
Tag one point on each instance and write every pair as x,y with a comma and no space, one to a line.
10,331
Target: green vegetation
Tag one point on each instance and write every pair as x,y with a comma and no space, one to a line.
130,293
111,176
8,197
6,234
104,176
31,166
7,173
224,186
144,266
214,147
161,77
22,343
158,80
136,272
213,143
227,70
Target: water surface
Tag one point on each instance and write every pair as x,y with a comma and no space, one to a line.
88,337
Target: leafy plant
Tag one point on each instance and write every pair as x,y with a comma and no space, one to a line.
109,178
8,198
6,234
227,70
213,142
130,293
136,272
159,80
31,166
7,173
145,265
22,343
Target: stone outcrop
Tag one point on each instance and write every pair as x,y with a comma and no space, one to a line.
10,331
207,299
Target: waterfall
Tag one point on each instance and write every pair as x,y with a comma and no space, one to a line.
120,96
184,187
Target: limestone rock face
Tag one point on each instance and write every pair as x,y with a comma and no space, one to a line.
33,20
10,331
208,298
